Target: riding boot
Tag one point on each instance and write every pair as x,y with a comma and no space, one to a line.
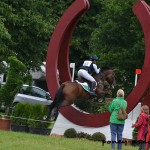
93,84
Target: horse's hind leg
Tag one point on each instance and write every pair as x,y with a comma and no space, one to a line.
65,103
54,107
54,111
50,108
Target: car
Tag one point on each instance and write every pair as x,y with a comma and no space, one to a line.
33,95
30,94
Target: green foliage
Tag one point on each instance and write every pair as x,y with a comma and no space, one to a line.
5,39
29,24
135,131
33,113
70,133
109,29
92,106
21,110
98,136
15,79
37,113
119,41
83,135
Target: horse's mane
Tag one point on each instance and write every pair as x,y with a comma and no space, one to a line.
101,73
104,69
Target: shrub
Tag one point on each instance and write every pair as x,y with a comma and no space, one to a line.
22,111
83,135
37,113
32,113
70,133
98,136
135,131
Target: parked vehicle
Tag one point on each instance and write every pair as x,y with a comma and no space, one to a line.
32,94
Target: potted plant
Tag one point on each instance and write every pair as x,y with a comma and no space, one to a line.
20,115
15,77
36,123
4,122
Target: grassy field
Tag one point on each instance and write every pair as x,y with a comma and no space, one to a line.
22,141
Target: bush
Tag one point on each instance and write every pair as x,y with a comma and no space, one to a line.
135,131
22,111
31,113
83,135
37,113
98,136
70,133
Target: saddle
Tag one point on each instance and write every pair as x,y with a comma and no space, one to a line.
82,80
86,86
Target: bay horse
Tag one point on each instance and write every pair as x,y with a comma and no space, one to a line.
70,91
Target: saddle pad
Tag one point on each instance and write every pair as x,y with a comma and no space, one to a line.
84,85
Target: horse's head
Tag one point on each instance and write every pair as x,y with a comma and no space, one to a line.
106,74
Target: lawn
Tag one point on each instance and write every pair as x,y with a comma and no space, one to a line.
22,141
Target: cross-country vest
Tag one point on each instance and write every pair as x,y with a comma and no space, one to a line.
89,68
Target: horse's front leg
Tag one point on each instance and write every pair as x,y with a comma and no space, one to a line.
101,95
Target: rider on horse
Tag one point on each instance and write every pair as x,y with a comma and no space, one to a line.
87,69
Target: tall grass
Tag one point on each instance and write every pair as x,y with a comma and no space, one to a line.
22,141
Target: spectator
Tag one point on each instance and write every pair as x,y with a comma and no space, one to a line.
148,138
117,126
142,126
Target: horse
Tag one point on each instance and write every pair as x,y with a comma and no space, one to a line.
70,91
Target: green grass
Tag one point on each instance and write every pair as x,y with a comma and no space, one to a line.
22,141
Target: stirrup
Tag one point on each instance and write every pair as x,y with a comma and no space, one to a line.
92,93
102,99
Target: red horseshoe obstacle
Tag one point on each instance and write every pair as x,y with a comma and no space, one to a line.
58,56
142,11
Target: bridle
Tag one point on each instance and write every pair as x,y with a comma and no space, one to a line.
100,82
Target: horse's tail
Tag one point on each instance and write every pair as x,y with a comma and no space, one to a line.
59,96
57,101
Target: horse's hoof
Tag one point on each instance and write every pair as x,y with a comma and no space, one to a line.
100,100
46,118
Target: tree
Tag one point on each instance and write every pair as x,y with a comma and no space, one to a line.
5,39
119,40
109,29
30,24
16,77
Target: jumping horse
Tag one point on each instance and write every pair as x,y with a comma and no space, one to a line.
70,91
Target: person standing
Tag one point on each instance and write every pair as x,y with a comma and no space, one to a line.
117,126
142,126
148,138
86,70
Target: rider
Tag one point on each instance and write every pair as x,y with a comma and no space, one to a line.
88,67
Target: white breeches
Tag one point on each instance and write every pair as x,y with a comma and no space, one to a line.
83,73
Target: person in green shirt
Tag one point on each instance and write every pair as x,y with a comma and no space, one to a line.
117,126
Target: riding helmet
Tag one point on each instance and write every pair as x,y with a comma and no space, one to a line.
93,57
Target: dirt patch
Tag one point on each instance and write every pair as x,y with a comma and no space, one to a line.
56,135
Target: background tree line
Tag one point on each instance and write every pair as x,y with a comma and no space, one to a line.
109,29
